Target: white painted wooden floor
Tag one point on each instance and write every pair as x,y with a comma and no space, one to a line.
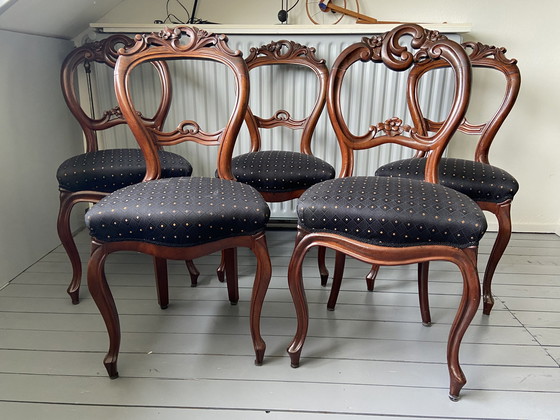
371,358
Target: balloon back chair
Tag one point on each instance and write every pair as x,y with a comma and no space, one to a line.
180,218
490,186
90,176
393,221
282,175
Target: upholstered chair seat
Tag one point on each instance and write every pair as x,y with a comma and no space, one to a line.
179,212
280,171
111,169
480,181
392,212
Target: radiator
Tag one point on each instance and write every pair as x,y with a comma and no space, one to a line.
380,96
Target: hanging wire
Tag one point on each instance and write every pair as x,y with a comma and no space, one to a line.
294,5
170,16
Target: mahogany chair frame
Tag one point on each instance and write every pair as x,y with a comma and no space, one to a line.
426,46
103,52
492,58
167,45
287,53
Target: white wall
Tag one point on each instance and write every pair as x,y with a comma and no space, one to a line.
526,146
36,133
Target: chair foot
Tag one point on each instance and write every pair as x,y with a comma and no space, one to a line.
193,272
112,369
487,305
75,296
454,398
259,357
427,324
294,358
371,276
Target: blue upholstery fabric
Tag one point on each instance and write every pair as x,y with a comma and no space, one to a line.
394,212
179,212
480,181
111,169
280,171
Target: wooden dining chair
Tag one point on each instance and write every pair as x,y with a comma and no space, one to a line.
282,175
390,220
92,175
180,218
491,187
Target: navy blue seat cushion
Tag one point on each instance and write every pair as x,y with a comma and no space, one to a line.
111,169
393,212
280,171
179,212
480,181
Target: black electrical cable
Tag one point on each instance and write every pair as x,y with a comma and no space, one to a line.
295,4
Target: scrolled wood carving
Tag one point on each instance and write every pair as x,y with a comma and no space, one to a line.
106,50
387,48
283,50
172,38
187,129
479,51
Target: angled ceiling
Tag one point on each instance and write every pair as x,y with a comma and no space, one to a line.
56,18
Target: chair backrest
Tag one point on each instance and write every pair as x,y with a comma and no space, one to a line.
404,48
182,43
288,53
487,57
105,52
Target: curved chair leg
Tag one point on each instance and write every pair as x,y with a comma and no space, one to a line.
162,282
370,278
470,301
193,271
339,261
295,284
230,262
67,240
101,294
221,270
503,214
260,286
323,271
423,269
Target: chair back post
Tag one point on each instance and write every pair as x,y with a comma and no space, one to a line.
105,52
493,57
286,52
481,56
396,54
168,45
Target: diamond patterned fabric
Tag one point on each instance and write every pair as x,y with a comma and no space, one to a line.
179,212
111,169
394,212
480,181
280,171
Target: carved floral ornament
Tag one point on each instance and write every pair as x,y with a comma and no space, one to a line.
170,38
283,50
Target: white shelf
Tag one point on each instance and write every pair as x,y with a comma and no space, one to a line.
281,29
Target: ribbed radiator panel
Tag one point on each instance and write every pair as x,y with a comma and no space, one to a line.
207,97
